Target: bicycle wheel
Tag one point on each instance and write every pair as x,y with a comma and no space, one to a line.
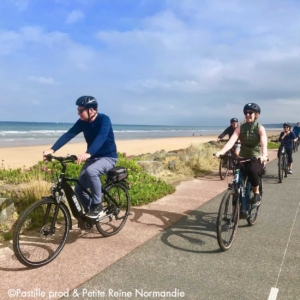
228,218
33,242
294,147
223,168
280,168
117,211
285,166
253,213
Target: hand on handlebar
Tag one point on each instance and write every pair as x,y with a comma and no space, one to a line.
264,158
83,157
217,154
45,153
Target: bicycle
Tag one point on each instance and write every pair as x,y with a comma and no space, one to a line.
296,144
42,229
235,205
225,165
282,164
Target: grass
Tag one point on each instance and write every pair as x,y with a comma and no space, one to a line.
273,145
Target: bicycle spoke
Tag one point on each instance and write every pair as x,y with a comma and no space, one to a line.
228,218
36,243
117,210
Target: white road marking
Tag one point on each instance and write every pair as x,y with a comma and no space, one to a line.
273,294
274,290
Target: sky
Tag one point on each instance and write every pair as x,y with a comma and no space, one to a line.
152,62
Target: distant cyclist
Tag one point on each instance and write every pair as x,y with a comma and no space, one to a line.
296,130
100,156
229,131
287,137
254,142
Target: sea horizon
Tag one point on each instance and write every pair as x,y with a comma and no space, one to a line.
17,133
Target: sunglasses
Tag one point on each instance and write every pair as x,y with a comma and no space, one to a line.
248,113
286,127
81,110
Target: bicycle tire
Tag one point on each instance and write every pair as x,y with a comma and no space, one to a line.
294,147
228,219
34,224
285,166
280,169
223,168
254,210
110,225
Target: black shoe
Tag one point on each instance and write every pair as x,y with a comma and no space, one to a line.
256,200
96,211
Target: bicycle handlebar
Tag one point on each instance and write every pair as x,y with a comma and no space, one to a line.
239,159
68,158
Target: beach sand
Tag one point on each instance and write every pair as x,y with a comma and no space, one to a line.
27,156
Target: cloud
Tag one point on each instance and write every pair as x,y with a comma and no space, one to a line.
74,16
42,80
185,62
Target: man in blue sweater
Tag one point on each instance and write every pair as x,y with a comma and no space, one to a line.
296,129
101,154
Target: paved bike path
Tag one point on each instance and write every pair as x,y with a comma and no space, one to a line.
185,260
185,256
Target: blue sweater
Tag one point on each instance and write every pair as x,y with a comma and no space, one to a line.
98,134
296,130
288,140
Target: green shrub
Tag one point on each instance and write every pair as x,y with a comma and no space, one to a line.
272,145
144,188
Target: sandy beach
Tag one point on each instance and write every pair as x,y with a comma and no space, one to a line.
27,156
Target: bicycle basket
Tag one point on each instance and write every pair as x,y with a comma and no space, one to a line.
117,174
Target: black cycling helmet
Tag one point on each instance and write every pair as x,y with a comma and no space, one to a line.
252,106
287,124
234,120
87,102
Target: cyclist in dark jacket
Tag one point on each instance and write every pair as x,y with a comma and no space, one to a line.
229,131
296,130
100,156
287,137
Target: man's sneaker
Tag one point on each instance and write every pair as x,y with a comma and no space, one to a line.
96,212
256,200
290,171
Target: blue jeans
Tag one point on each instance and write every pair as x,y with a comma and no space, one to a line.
89,179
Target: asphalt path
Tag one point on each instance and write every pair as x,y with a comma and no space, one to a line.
185,262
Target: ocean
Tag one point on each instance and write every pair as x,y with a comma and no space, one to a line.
13,134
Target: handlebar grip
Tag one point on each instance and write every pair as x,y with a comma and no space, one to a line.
72,157
49,157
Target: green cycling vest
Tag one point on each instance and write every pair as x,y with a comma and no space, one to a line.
250,140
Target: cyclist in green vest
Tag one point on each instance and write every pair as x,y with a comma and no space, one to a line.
254,142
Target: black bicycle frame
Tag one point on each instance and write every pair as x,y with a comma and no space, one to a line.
75,204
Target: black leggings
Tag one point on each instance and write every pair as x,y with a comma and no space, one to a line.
253,170
288,152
